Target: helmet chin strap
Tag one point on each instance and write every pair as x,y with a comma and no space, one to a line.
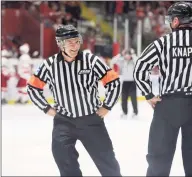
66,54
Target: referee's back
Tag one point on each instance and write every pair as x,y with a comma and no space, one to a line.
172,112
173,54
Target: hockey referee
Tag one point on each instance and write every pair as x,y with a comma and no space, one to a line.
73,76
173,108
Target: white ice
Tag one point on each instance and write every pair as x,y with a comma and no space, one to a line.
26,143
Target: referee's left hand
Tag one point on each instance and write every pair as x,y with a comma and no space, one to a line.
153,101
102,112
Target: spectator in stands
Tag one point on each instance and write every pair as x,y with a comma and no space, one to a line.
119,7
72,8
89,39
59,21
110,9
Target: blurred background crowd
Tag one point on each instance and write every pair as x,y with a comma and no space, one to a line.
28,33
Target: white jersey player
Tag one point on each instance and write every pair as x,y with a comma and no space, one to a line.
24,72
6,73
4,78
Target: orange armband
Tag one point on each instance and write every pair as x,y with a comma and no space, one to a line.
36,82
110,76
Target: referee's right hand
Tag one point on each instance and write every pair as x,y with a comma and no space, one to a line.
52,112
153,101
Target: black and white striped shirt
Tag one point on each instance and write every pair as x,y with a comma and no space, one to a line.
173,54
74,84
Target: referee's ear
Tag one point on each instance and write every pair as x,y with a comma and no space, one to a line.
175,23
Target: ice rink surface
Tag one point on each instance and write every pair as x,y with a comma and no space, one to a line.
26,143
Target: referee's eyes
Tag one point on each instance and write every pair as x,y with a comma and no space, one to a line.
73,43
77,42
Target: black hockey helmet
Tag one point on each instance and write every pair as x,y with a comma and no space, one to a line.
67,31
64,32
182,10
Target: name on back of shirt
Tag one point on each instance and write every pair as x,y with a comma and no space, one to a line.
185,52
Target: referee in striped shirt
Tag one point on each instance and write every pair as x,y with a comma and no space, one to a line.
73,76
173,109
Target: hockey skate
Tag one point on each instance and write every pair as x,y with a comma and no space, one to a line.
134,116
124,116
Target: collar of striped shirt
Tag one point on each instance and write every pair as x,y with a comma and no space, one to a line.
78,57
183,28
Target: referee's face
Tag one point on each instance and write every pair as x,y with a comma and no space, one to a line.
72,46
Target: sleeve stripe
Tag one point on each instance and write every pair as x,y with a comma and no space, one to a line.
39,96
42,75
114,93
142,67
101,67
34,99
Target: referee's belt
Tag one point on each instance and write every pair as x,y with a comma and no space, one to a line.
177,94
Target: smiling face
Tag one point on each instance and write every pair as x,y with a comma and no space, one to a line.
72,46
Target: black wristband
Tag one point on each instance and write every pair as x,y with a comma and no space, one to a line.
47,109
106,107
149,96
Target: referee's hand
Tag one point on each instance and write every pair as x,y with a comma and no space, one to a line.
52,112
102,112
153,101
